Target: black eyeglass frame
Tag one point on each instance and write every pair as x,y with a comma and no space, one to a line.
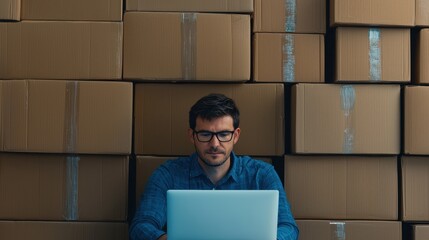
214,134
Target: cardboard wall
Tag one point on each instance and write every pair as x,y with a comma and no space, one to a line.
190,5
63,187
10,10
67,116
217,46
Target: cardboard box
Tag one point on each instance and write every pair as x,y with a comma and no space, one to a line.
44,230
288,57
420,232
346,119
66,116
372,12
350,230
415,188
10,10
422,13
186,46
190,5
161,117
63,187
61,50
416,117
373,55
421,67
303,16
72,10
342,187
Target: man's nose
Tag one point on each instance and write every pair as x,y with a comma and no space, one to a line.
214,141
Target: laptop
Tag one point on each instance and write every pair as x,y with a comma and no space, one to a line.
222,214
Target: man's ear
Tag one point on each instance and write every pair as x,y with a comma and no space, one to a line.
236,135
191,135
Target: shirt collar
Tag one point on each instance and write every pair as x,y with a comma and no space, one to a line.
196,170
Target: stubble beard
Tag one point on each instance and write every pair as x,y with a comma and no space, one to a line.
207,162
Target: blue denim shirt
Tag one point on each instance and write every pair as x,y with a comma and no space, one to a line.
186,173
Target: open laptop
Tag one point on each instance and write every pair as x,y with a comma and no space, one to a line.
222,214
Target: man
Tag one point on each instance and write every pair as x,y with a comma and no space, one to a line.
214,130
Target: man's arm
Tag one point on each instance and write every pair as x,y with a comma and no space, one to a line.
287,228
150,216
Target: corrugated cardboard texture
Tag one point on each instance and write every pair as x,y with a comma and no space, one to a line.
161,117
350,230
323,112
190,5
415,188
360,56
10,10
19,230
288,57
61,50
421,66
372,12
416,117
342,187
72,10
422,13
420,232
67,116
154,48
38,187
303,16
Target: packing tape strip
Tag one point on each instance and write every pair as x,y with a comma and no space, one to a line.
374,36
288,58
70,118
338,230
72,205
348,97
290,11
189,44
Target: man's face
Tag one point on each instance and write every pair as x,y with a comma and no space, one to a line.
214,153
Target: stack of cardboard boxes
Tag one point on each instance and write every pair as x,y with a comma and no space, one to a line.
84,86
66,121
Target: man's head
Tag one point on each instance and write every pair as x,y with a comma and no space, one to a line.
214,128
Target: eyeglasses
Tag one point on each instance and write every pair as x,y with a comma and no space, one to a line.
206,136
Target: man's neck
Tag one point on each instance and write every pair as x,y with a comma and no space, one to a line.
215,174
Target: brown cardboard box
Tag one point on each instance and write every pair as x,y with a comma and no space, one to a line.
420,232
422,58
10,10
186,46
190,5
72,10
60,50
288,57
422,13
66,116
373,55
63,187
161,117
303,16
372,12
350,230
344,119
415,188
342,187
416,117
44,230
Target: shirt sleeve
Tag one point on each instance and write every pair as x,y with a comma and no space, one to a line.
150,217
287,228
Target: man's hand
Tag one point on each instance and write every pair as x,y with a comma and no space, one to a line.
163,237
